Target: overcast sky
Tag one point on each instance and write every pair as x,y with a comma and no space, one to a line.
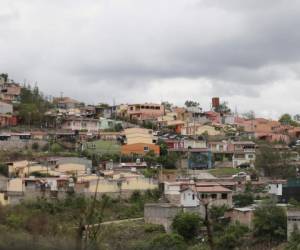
245,51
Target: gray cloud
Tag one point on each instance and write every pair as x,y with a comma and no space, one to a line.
120,48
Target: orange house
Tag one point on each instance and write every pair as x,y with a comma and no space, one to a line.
139,149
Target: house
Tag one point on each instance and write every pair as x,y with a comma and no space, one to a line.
244,153
7,120
293,221
139,141
191,129
213,116
6,108
79,124
211,193
10,92
109,124
194,158
243,215
275,187
146,111
66,103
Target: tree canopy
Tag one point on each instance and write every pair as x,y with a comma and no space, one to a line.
187,225
270,222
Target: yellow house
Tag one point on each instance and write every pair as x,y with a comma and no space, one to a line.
199,129
139,135
71,168
125,184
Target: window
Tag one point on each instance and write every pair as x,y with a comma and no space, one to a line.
250,156
214,196
193,197
146,149
224,196
203,196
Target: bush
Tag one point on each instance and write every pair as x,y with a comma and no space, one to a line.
35,146
56,148
150,228
231,237
243,200
270,222
187,225
168,242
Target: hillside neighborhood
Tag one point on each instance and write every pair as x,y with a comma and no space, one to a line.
190,178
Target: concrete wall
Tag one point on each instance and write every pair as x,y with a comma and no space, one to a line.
20,144
163,214
293,220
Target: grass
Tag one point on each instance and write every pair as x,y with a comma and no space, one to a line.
222,172
104,147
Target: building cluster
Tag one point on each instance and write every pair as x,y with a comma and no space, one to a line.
9,95
55,177
197,141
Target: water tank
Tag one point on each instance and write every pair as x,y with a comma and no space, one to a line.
215,102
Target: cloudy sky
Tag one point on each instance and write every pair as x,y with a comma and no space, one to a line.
247,52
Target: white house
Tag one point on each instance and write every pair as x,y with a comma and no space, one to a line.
275,187
188,198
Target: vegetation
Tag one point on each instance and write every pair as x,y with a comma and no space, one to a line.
243,200
294,242
274,163
286,119
221,172
190,103
32,107
187,225
270,222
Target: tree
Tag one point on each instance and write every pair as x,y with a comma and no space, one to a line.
274,163
4,76
270,222
250,115
223,108
231,237
4,170
187,225
243,200
190,103
285,119
168,161
167,105
294,242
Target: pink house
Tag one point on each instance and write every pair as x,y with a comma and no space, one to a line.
213,116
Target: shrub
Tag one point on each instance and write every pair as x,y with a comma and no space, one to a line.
187,225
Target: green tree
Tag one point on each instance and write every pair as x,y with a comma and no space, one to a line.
286,119
190,103
250,115
294,241
187,225
223,108
231,237
243,200
270,222
274,163
3,169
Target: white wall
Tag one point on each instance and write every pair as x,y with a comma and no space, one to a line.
275,189
189,199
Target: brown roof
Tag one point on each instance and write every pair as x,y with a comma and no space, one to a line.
213,189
